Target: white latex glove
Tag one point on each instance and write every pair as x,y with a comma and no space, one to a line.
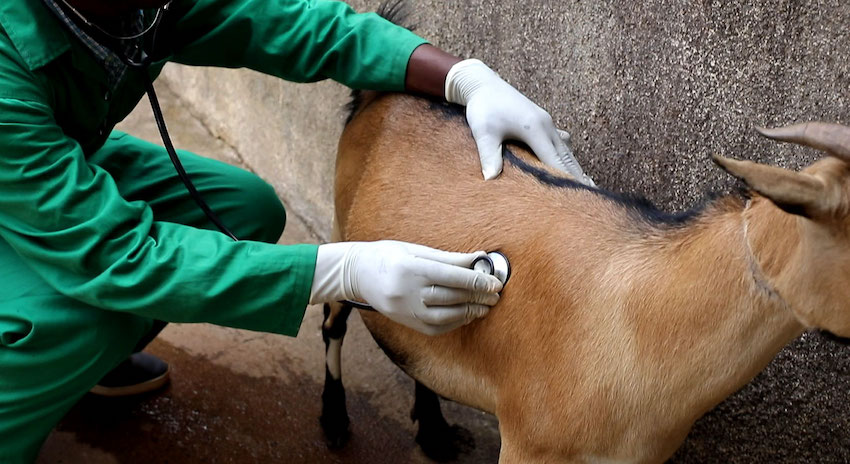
571,162
496,111
428,290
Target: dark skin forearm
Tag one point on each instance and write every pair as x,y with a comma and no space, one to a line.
427,70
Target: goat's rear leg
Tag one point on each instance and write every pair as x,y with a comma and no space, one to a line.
438,440
334,417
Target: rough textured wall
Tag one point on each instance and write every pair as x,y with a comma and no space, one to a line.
285,132
649,91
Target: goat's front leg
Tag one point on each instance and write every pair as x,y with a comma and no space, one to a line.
334,417
438,440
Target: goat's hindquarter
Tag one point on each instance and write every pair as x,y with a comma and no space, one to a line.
608,341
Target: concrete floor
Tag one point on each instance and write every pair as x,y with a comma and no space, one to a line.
244,397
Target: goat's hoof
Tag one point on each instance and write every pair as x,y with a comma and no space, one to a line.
444,444
336,431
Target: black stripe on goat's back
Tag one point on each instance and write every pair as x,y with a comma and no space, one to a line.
639,207
398,12
448,110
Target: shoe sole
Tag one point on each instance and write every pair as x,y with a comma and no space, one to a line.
153,384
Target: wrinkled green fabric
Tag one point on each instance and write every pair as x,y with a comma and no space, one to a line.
54,348
85,265
67,220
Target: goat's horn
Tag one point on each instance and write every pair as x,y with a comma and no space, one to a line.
831,138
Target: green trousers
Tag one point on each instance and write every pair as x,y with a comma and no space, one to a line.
53,349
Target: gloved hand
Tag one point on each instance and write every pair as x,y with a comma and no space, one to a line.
428,290
496,111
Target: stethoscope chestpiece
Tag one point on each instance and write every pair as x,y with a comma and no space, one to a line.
495,264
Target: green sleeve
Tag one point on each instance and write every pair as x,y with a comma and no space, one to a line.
66,219
297,40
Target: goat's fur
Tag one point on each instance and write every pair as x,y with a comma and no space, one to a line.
620,327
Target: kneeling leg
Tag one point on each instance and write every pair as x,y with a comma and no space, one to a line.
51,354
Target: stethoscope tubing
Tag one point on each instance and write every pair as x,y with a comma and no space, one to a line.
142,67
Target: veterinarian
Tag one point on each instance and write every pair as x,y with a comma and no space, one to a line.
100,241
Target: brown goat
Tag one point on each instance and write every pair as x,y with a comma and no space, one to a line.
621,326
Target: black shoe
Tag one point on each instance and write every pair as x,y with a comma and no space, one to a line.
140,373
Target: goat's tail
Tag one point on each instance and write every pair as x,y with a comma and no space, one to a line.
396,12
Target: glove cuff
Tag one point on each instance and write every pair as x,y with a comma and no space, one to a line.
330,277
464,78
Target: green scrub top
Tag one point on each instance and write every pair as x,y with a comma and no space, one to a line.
65,217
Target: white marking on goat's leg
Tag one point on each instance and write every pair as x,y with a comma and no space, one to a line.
334,418
333,356
333,331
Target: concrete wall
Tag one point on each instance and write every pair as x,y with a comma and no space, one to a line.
649,91
285,132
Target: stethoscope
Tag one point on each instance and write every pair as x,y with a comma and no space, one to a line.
493,263
141,65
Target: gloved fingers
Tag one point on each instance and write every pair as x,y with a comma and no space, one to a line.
452,316
436,295
441,315
565,154
546,149
561,147
446,275
447,257
566,158
490,154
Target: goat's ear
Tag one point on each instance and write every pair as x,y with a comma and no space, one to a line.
794,192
